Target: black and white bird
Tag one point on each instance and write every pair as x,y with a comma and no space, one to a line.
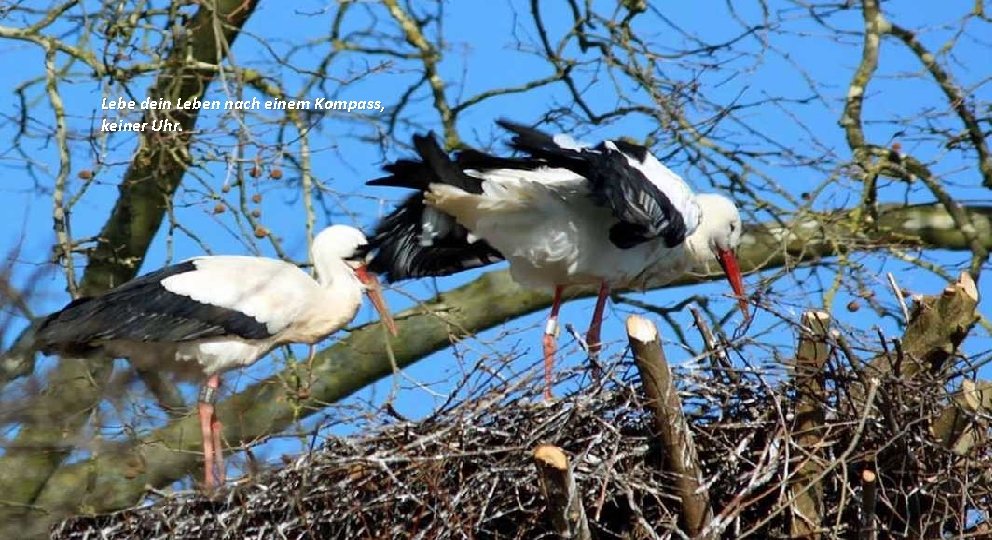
564,213
211,314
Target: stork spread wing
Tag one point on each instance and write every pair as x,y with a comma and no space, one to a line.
647,199
416,240
398,251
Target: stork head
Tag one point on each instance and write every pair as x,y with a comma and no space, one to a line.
718,235
350,246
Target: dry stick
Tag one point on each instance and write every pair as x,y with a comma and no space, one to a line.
595,367
560,490
717,353
834,463
670,424
899,296
579,338
811,355
869,494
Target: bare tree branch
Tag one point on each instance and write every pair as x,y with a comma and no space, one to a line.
145,191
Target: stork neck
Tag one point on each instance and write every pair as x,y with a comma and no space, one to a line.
698,247
699,244
332,271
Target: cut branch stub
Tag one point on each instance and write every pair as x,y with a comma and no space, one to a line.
811,355
937,325
955,426
869,496
670,425
561,492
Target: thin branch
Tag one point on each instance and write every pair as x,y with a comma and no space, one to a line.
955,98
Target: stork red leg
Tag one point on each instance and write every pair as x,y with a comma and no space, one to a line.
550,340
206,411
592,337
216,428
210,431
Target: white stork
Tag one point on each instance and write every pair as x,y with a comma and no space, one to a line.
211,314
565,214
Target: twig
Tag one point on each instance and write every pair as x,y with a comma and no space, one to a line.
595,367
570,328
899,296
716,352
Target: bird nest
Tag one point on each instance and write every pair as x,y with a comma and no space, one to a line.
470,473
832,443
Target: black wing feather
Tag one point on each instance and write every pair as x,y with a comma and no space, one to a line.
415,240
143,310
398,252
542,146
471,158
440,166
643,210
416,174
404,173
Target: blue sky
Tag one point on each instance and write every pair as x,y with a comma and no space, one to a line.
491,45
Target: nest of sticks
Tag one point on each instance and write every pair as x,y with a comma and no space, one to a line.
839,445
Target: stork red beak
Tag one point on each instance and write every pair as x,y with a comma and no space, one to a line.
374,291
728,261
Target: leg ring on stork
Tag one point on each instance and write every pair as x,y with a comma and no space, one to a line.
593,341
210,428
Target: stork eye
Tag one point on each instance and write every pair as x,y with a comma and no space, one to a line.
361,253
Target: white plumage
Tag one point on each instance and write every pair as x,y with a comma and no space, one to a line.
272,291
548,227
210,314
567,213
